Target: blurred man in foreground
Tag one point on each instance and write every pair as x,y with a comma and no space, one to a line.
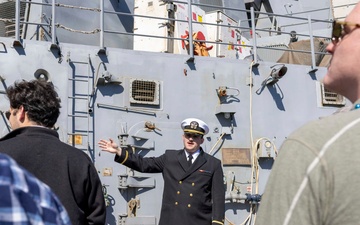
315,178
26,200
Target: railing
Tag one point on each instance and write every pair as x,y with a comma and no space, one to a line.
52,27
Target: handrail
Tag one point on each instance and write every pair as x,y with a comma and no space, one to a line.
102,24
313,64
17,41
242,30
53,29
254,36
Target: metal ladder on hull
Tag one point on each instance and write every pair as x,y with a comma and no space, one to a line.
80,118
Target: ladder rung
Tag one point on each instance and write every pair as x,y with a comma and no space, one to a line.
78,80
84,135
78,62
78,116
81,98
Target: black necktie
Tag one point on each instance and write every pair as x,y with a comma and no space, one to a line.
190,157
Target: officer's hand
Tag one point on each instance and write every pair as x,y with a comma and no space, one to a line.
109,146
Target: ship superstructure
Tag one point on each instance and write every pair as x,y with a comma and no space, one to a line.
133,70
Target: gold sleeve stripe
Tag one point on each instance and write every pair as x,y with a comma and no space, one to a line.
218,222
126,157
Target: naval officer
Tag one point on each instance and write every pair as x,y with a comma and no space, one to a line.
194,192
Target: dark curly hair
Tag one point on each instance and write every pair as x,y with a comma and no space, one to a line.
39,99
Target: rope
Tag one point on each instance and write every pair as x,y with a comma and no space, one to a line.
77,7
78,31
62,26
7,20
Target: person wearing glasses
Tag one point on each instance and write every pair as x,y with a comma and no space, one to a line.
315,178
194,191
35,145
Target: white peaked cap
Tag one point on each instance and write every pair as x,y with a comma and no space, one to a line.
193,125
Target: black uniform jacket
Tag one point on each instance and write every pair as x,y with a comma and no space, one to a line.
68,171
192,196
